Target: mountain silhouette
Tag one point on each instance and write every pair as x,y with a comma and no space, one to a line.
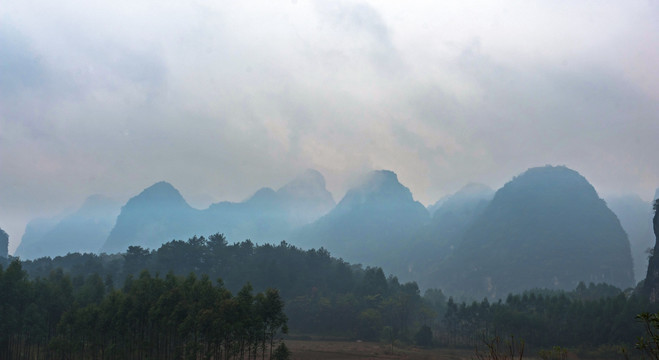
453,215
84,231
371,222
158,214
547,228
635,216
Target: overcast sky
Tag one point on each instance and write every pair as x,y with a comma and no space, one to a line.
221,98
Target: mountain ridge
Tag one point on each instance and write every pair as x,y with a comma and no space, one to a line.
545,228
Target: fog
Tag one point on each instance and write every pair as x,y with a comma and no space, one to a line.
223,98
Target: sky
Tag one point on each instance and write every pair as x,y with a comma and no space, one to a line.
221,98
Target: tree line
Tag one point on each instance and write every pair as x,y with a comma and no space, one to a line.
323,296
546,319
169,317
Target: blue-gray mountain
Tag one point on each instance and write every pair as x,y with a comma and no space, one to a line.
452,216
4,244
460,202
160,214
83,231
547,228
34,233
373,221
635,216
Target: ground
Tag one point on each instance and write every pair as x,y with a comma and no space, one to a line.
336,350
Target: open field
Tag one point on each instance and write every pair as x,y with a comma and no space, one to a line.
335,350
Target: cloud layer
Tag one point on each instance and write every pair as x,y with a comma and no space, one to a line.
221,98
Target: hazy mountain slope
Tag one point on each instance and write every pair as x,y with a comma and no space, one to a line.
158,214
305,198
259,218
371,222
83,231
546,228
432,208
30,245
270,216
435,241
457,212
635,216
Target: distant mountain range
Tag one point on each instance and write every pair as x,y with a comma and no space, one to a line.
83,231
160,214
435,241
373,221
545,228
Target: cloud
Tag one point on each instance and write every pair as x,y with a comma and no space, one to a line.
223,98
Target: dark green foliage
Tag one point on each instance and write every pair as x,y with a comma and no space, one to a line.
546,228
423,337
281,352
4,244
323,295
119,305
555,353
651,285
559,319
151,317
649,342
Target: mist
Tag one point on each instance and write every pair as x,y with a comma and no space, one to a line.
223,99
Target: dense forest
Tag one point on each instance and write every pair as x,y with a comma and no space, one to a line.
177,300
149,317
324,295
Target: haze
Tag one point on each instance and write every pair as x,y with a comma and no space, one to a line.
222,98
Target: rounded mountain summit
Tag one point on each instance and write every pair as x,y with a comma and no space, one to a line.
546,228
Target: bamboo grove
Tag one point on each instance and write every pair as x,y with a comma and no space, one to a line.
149,318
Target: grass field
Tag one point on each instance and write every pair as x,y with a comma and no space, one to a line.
335,350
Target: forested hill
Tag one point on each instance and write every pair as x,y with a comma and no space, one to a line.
323,294
134,304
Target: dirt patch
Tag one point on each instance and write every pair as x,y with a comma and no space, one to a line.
336,350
